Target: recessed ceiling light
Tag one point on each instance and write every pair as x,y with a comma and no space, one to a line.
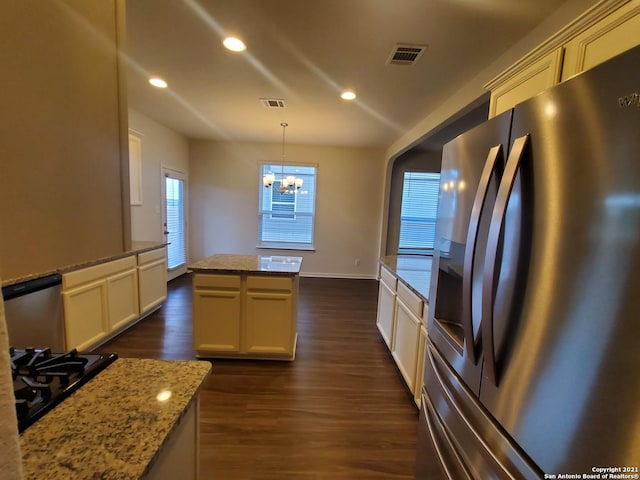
158,82
348,95
234,44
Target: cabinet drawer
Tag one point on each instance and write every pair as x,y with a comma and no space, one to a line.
410,299
97,272
267,282
217,281
152,256
388,278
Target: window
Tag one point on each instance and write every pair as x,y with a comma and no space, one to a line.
418,212
286,219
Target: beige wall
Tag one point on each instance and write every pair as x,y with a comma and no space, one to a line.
224,181
61,200
161,147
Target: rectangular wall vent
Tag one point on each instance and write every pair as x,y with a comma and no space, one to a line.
273,102
406,54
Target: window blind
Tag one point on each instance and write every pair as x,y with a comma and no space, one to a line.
418,212
175,222
286,219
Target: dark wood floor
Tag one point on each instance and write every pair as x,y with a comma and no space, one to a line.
339,411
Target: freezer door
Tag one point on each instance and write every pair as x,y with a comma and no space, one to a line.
466,441
565,301
471,168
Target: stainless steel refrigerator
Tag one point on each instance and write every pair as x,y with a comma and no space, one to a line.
533,356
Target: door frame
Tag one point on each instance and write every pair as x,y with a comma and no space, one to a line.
179,175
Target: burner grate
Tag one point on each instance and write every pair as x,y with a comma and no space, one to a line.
42,379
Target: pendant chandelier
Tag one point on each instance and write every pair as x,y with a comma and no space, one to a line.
288,184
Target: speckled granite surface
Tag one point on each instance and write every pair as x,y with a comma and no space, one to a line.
229,263
136,248
113,426
413,270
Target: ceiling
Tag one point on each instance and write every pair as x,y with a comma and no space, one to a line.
306,52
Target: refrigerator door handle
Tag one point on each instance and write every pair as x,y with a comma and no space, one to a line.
495,230
495,153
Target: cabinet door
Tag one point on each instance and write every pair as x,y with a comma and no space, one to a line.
85,315
122,295
386,312
421,357
152,284
179,455
269,322
216,320
405,343
530,81
614,34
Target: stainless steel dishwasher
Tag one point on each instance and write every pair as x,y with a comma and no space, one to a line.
34,313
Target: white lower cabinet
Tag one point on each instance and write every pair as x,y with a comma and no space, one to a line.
101,300
122,298
179,456
217,306
85,315
406,342
245,316
269,307
152,279
386,306
400,320
422,352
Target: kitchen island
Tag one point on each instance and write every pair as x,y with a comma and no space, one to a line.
246,306
136,419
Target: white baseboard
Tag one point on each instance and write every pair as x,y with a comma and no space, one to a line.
354,276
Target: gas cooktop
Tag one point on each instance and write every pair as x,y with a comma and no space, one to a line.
42,379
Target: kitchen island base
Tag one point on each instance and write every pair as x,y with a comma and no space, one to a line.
245,307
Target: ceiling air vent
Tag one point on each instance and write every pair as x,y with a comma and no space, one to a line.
406,54
273,102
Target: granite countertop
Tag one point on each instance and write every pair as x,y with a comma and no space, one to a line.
136,248
229,263
413,270
115,424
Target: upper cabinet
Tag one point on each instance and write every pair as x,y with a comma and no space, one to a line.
614,34
533,79
605,30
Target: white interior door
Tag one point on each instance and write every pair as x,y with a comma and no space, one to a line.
174,190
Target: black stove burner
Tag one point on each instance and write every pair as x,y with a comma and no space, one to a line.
42,379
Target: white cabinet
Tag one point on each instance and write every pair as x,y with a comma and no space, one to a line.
99,300
406,338
178,457
386,305
608,28
85,315
614,34
401,321
422,352
102,300
269,310
152,279
122,298
217,306
535,78
244,315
